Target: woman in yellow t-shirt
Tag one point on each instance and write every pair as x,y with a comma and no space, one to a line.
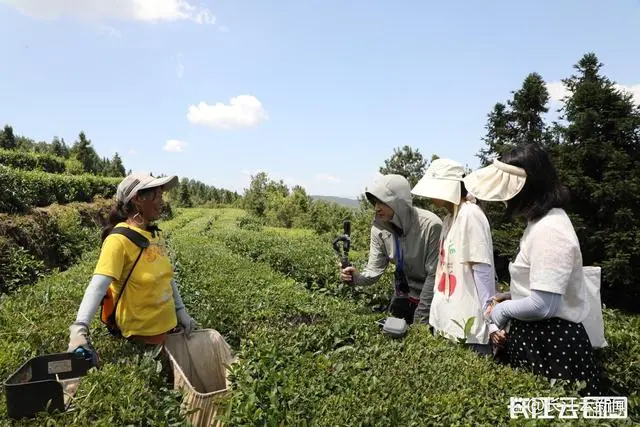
150,306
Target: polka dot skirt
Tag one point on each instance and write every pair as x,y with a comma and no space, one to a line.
554,348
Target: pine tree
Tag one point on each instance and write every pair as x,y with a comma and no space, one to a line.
185,197
8,139
599,159
117,167
85,153
407,162
519,121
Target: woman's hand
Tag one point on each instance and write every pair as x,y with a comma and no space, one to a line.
498,337
347,274
187,322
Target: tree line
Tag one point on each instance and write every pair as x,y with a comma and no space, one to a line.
81,156
594,143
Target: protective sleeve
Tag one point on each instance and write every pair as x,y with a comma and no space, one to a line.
92,297
485,283
537,306
176,295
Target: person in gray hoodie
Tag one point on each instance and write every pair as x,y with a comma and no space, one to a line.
406,236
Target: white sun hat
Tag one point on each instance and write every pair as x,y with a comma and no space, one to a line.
497,182
137,181
441,181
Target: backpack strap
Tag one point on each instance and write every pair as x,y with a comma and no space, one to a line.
140,241
134,236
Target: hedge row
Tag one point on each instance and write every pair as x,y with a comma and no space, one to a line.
32,161
286,252
127,390
311,359
305,257
23,190
48,238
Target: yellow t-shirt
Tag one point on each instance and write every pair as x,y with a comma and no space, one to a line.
147,307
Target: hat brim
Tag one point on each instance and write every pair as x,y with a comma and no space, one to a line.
498,182
442,189
167,182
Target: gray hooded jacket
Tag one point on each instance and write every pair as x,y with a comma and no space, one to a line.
419,234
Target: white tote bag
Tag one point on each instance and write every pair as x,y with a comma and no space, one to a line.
594,323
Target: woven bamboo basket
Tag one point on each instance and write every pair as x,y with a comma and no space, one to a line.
200,369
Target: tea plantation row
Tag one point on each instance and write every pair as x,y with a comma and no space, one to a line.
23,190
308,358
32,161
305,357
311,262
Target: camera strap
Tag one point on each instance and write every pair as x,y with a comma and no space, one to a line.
401,279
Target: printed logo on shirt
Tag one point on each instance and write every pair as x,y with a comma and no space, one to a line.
156,250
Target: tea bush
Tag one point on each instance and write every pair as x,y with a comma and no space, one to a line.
32,161
23,190
313,359
47,239
305,357
306,258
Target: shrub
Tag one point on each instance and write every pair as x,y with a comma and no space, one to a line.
49,238
32,161
26,189
250,222
17,266
307,358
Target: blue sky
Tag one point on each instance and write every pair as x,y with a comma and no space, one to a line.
323,90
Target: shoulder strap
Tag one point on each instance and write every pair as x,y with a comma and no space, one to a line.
134,236
140,241
399,255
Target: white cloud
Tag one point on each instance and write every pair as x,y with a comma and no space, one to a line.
327,178
634,90
557,91
124,10
174,146
242,112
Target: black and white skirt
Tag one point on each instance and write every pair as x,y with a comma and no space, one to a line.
554,348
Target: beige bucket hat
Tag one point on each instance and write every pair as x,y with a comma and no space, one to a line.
441,181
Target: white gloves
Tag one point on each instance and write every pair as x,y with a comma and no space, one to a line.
78,337
187,322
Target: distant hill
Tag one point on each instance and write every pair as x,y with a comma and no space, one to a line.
342,201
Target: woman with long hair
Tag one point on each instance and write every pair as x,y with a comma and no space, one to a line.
547,301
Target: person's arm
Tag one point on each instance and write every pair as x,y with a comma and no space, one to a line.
476,250
109,267
376,264
421,314
79,330
551,252
537,306
485,283
184,319
92,297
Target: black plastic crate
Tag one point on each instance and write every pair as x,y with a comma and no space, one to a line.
37,386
